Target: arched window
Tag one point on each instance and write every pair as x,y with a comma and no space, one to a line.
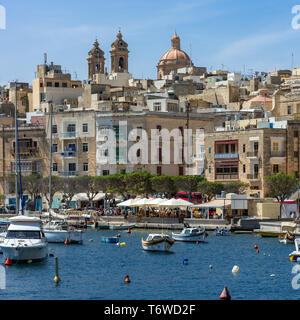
121,63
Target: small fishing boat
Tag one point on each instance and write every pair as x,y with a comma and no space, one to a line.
190,235
220,232
157,242
295,255
25,240
122,226
110,239
287,238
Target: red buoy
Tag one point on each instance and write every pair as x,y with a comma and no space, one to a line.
67,241
257,250
8,262
225,295
128,231
127,280
255,246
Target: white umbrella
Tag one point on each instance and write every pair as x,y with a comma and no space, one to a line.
155,202
127,203
141,203
175,203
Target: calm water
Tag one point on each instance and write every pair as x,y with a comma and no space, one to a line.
96,270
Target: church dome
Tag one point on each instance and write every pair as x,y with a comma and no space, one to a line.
175,56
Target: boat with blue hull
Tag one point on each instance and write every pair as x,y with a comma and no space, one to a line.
190,235
110,239
221,232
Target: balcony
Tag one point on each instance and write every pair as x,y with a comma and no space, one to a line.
277,154
252,154
68,154
227,177
226,155
68,135
69,174
253,176
28,167
25,151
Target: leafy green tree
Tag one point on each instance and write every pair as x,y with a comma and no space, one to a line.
138,182
235,187
210,189
116,184
164,184
188,184
281,186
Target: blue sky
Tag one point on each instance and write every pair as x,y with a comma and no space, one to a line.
232,33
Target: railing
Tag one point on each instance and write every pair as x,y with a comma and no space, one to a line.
68,154
68,135
252,154
25,150
253,176
226,155
227,176
69,174
277,154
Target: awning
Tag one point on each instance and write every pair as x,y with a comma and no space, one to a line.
220,203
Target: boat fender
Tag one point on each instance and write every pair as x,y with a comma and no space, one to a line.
67,241
128,231
255,246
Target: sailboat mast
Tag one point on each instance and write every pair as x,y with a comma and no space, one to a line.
16,152
50,166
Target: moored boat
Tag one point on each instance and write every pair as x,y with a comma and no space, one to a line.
295,255
157,242
190,235
25,240
122,226
220,232
287,238
110,239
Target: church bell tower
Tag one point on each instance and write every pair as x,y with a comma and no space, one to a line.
96,61
119,55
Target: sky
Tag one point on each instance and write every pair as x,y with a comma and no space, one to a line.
234,35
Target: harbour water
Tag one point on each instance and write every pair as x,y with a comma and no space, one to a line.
96,270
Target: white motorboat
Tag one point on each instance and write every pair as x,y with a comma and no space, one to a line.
121,226
190,235
295,255
25,240
157,242
59,232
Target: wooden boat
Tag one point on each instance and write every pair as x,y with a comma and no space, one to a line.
110,239
295,255
157,242
190,235
287,238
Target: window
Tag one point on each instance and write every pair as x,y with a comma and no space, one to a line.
54,148
158,170
256,169
72,167
275,146
105,172
85,167
160,154
49,84
275,168
158,128
295,134
41,84
180,171
55,167
296,154
85,147
255,146
209,149
244,148
85,128
56,84
138,153
209,169
64,85
123,171
54,128
244,168
289,110
71,128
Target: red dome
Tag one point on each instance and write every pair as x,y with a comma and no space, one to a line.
174,55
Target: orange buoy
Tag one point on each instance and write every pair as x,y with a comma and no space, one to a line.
225,295
127,280
255,246
67,241
8,262
128,231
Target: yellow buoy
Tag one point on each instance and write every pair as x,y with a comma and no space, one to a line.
235,269
123,244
